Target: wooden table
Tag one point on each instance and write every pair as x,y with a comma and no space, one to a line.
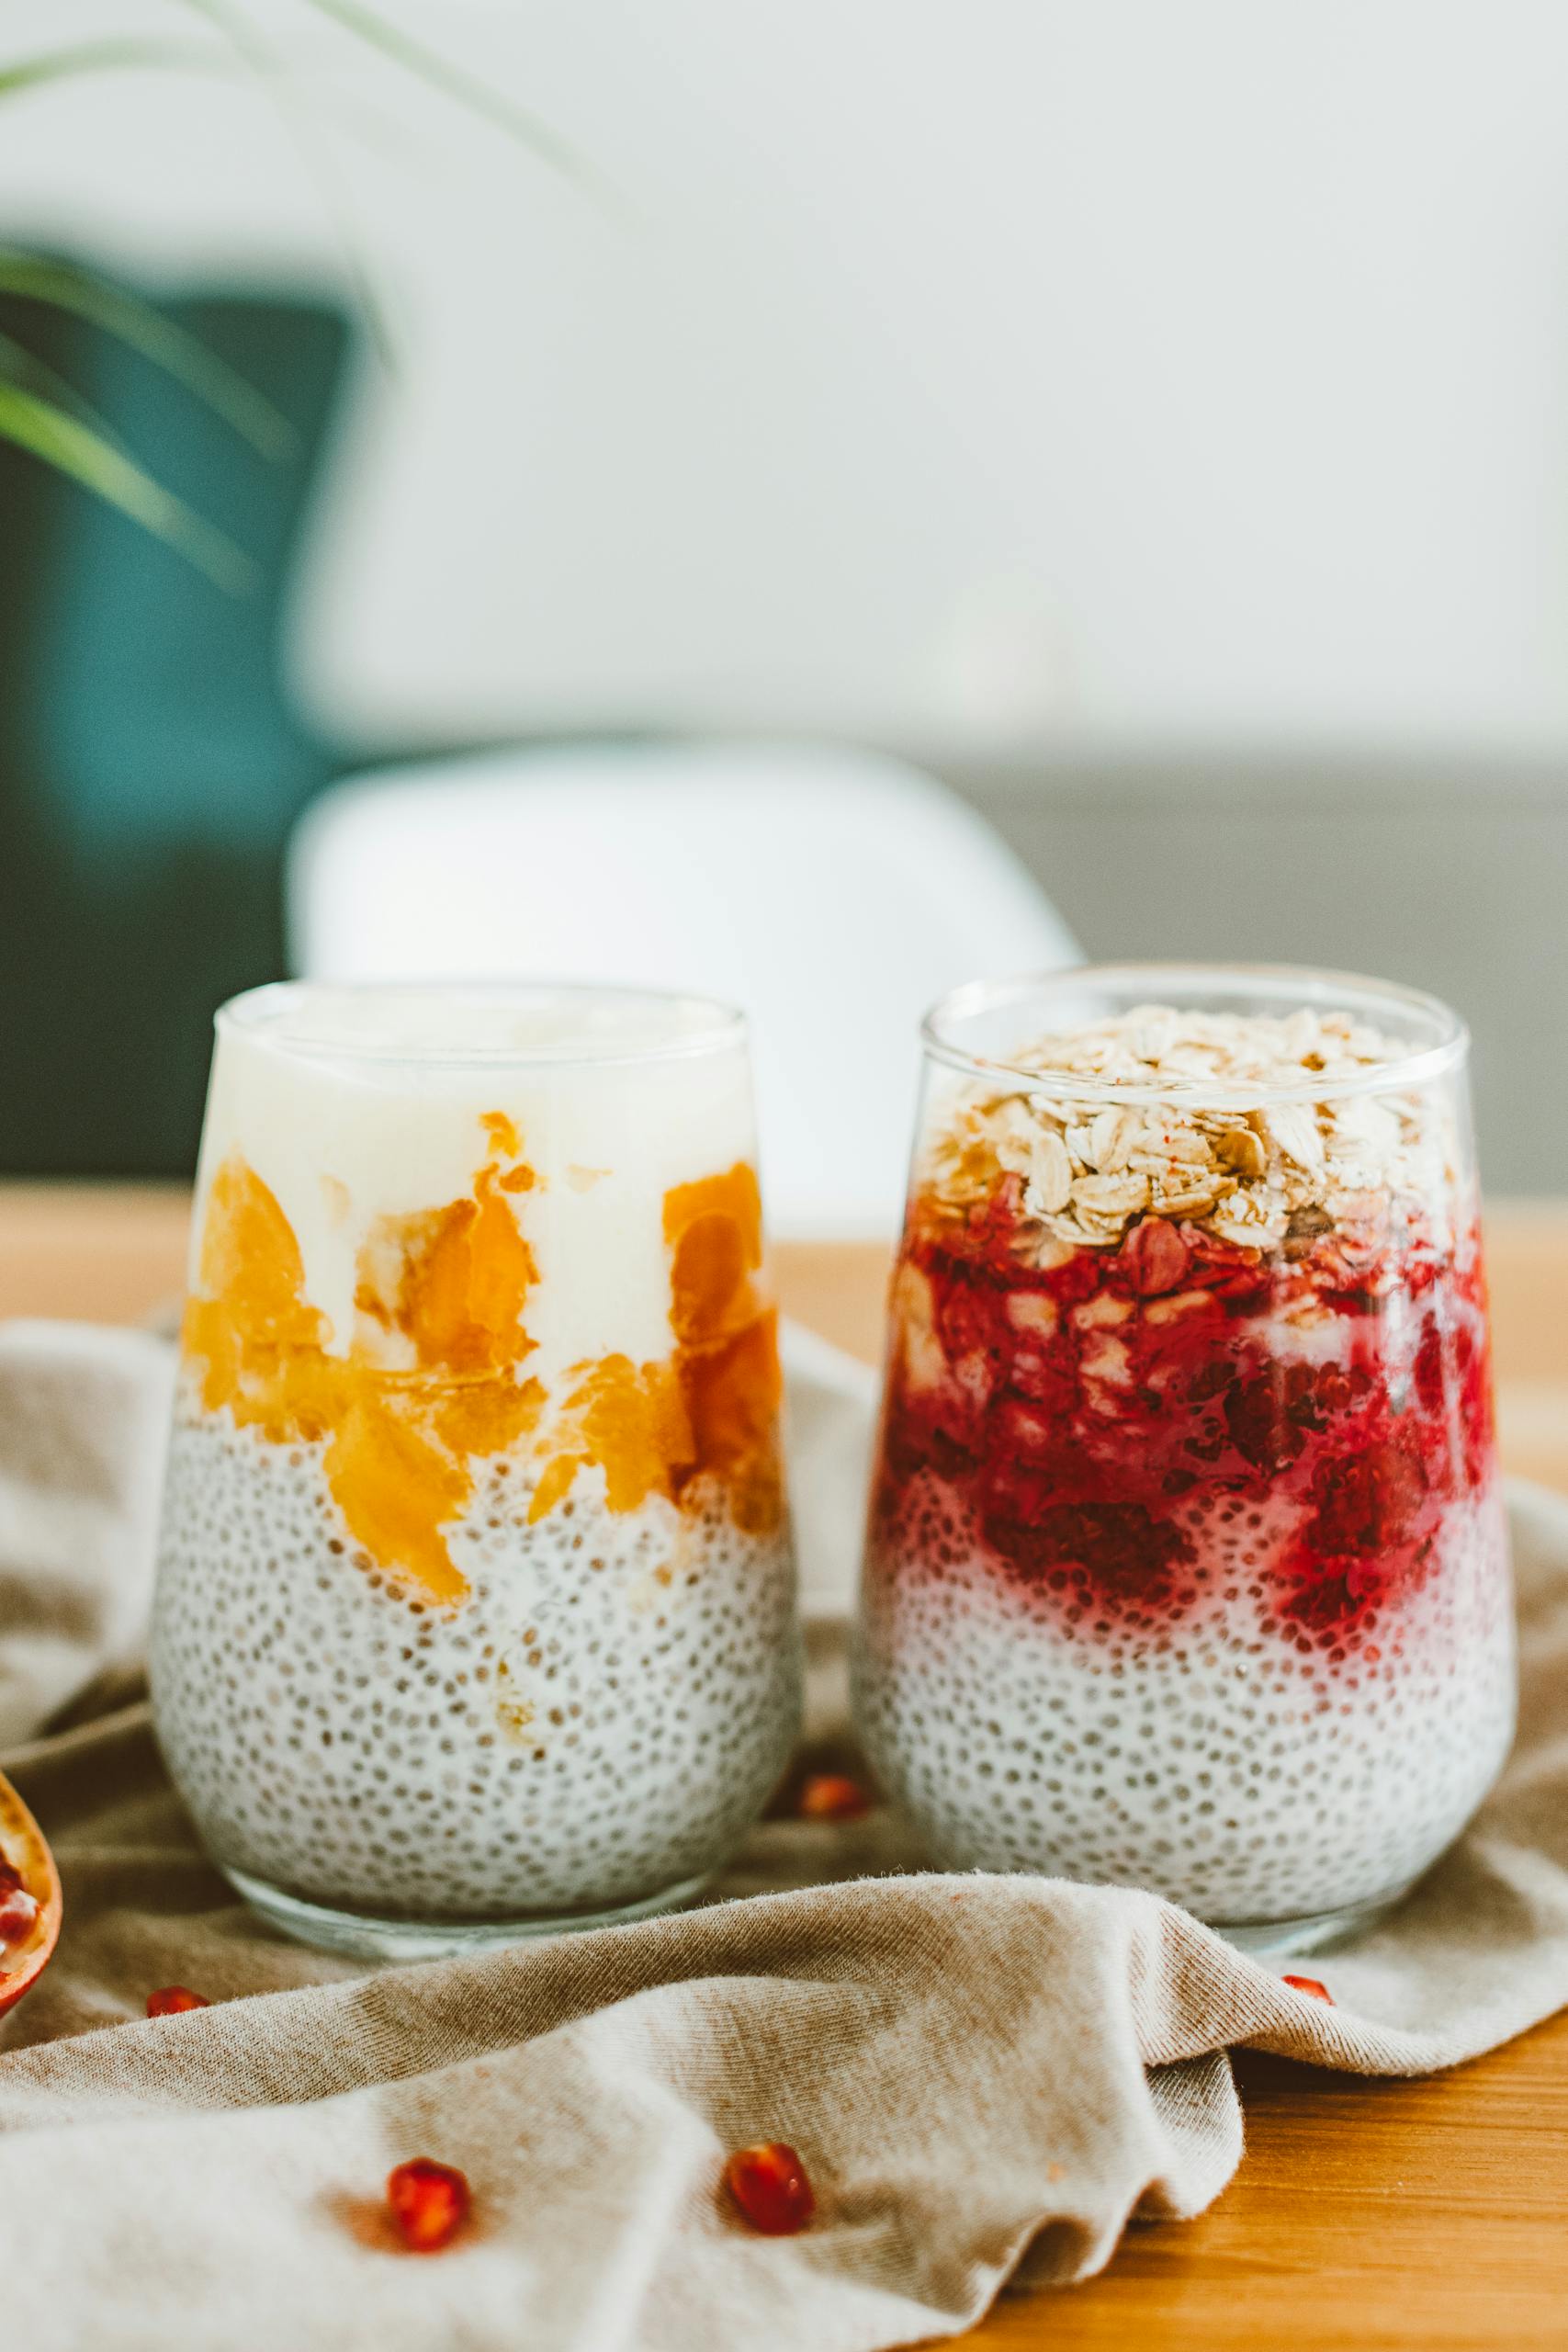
1365,2214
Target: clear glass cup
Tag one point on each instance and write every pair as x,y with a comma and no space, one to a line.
475,1608
1186,1563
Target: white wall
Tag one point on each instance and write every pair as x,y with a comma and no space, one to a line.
996,374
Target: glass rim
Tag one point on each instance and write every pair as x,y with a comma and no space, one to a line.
263,1012
1295,985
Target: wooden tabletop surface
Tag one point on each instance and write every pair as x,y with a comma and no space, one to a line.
1365,2215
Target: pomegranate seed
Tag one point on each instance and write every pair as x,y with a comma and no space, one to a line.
429,2202
1309,1984
769,2184
832,1796
174,1998
10,1876
18,1913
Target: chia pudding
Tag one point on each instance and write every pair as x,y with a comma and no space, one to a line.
475,1606
1187,1563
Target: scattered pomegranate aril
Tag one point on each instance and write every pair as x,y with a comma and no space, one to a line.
832,1796
172,1999
769,2184
429,2202
1319,1991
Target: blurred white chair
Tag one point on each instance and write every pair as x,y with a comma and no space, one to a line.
833,893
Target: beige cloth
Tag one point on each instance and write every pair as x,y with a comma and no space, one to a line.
977,2070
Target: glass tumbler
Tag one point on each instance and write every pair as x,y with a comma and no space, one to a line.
475,1608
1186,1563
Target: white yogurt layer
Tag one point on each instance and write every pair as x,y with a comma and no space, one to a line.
355,1104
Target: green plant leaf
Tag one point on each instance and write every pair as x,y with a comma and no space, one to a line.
67,286
99,57
73,448
467,89
19,366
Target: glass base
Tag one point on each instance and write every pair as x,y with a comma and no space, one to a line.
1317,1931
372,1938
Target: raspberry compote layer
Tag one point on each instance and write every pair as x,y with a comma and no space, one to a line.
1187,1563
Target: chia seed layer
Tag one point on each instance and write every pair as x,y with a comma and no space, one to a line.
600,1719
1221,1760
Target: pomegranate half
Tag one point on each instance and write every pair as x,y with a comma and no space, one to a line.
25,1954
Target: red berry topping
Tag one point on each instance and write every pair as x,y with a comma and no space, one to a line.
19,1915
1091,1415
832,1796
1156,1255
429,2201
769,2186
1369,1502
1309,1984
172,2000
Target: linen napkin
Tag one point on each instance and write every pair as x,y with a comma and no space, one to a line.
978,2071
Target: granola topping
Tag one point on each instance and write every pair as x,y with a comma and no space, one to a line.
1200,1141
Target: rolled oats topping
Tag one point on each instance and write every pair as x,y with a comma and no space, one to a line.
1203,1138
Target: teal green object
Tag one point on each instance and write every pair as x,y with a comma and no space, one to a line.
152,761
